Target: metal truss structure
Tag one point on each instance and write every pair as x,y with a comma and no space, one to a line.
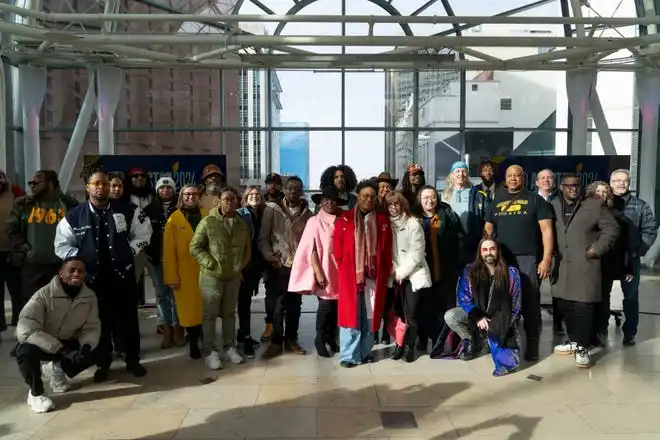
31,35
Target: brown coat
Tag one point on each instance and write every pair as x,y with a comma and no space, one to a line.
576,277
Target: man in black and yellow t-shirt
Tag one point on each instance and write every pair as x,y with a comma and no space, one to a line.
31,231
523,221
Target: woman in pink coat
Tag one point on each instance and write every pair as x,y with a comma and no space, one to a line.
314,269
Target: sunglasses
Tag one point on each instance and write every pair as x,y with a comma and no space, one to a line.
138,175
35,182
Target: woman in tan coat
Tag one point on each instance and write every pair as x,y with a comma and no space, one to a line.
180,269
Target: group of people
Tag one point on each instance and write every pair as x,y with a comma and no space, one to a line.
408,264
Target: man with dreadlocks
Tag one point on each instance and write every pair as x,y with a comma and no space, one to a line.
413,180
488,308
343,178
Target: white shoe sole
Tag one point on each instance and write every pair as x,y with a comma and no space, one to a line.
564,353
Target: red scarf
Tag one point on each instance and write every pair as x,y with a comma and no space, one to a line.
366,246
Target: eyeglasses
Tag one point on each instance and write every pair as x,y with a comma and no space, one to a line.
190,194
137,176
35,182
571,185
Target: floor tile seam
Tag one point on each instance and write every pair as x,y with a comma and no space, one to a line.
183,419
451,422
579,416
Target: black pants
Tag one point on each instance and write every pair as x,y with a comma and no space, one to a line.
326,320
251,277
118,309
602,309
579,318
406,303
10,275
434,301
531,299
286,308
270,275
29,358
36,276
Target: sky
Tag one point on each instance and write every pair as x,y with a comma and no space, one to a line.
315,97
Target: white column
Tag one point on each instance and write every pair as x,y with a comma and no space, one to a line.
4,115
578,88
648,89
78,135
108,88
32,82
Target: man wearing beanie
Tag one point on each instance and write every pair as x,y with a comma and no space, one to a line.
158,211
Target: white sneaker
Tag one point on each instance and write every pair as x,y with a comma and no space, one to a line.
566,348
55,375
40,404
582,358
213,361
234,357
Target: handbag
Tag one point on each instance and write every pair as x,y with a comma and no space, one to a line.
397,327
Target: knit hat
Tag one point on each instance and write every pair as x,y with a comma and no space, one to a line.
166,181
413,168
458,165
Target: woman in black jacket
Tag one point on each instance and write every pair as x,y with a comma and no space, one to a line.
616,264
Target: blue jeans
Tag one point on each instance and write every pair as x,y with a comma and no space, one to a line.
164,296
631,302
355,344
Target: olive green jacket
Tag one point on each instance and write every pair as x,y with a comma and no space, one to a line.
221,248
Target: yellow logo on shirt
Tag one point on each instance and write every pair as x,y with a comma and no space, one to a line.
517,207
50,216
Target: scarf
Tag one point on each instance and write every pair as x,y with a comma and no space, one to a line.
366,246
431,228
193,215
496,307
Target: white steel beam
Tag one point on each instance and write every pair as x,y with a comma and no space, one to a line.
600,121
303,18
78,135
325,40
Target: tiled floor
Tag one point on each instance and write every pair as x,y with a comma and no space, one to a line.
307,397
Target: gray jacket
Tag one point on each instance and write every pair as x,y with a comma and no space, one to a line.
281,232
50,316
577,277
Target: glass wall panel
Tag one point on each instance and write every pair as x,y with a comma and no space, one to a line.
403,152
436,151
618,96
65,93
312,97
497,100
365,152
439,98
316,151
174,98
366,103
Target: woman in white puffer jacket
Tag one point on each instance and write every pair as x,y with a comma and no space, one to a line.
410,272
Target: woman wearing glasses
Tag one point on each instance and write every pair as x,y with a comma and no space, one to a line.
180,269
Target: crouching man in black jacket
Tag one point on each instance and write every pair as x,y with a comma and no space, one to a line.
106,236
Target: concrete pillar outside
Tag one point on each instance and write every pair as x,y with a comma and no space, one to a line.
32,83
648,90
578,88
108,89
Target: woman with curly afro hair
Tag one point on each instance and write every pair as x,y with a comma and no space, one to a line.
343,178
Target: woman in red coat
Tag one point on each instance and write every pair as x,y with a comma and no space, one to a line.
362,247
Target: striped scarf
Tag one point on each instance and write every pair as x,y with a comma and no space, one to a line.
366,246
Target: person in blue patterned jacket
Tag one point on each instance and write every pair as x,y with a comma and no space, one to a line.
645,232
486,318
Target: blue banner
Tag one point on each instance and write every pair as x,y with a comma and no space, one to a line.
183,169
589,168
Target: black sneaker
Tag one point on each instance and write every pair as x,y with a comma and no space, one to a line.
248,348
347,364
397,353
137,369
469,351
409,354
629,341
101,374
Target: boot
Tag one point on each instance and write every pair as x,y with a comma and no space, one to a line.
179,337
168,337
319,344
268,333
397,353
193,339
469,350
409,353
